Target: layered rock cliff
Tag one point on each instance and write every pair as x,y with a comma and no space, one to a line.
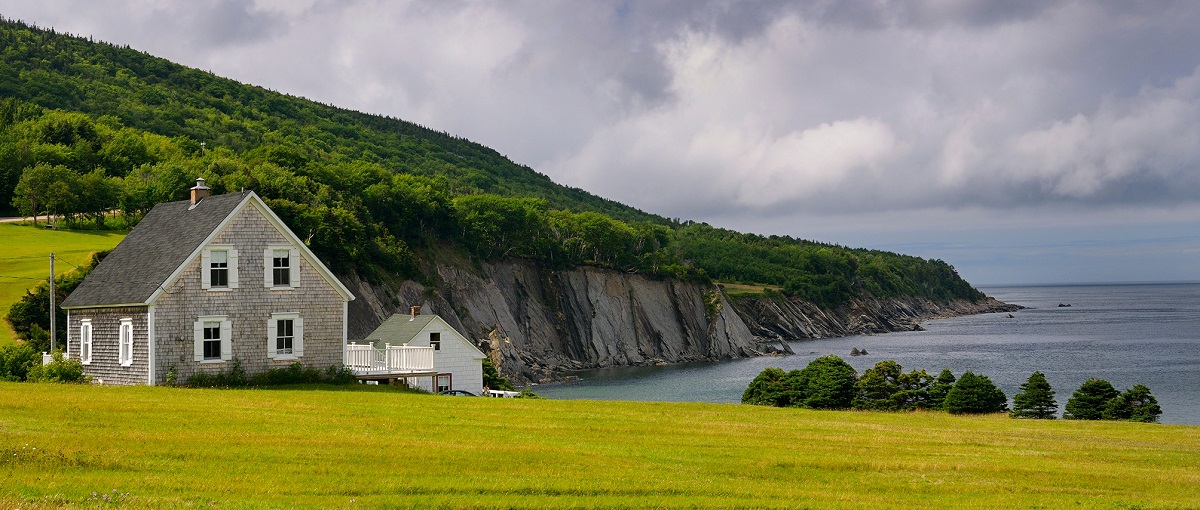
538,325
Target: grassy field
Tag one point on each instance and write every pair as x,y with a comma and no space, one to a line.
149,447
25,259
739,289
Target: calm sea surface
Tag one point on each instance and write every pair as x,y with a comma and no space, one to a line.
1127,334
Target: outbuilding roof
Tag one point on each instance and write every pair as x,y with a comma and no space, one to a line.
399,329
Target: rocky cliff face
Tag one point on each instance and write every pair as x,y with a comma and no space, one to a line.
537,325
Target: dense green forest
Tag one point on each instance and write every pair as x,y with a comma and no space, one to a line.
89,127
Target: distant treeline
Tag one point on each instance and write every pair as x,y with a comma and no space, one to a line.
89,127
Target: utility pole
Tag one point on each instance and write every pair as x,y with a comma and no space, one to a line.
53,329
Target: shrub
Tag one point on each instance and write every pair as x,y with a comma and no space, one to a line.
16,360
235,377
60,370
527,393
1036,399
1087,403
975,394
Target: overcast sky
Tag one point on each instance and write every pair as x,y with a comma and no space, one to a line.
1021,141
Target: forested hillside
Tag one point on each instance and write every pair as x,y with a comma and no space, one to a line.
88,127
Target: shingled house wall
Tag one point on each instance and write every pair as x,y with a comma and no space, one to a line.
105,366
248,308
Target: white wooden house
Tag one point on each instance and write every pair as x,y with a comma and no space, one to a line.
456,363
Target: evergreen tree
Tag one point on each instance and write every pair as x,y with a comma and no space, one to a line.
975,394
914,391
492,378
940,387
1036,399
877,387
1087,403
768,389
827,383
1136,404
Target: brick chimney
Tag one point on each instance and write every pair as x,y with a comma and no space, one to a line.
416,310
199,191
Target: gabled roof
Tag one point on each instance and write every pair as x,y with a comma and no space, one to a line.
156,251
400,328
152,251
403,328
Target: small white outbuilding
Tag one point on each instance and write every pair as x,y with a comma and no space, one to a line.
457,362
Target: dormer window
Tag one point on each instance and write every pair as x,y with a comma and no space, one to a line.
281,267
219,268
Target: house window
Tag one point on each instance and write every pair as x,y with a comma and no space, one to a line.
285,336
280,264
85,341
212,339
212,336
125,343
443,382
435,341
219,268
281,268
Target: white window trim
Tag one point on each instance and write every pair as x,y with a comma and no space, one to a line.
85,341
226,338
293,267
122,340
205,270
297,336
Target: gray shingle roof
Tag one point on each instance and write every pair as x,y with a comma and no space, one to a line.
152,251
398,329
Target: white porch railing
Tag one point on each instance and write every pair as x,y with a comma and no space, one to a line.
366,359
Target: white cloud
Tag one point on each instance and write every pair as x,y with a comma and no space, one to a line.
767,115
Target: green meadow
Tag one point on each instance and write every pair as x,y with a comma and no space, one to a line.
25,259
367,447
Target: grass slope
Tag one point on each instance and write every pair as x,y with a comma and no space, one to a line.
341,448
25,259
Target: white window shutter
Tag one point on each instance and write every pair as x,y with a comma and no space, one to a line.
205,264
233,268
198,341
271,330
226,340
298,340
294,267
268,279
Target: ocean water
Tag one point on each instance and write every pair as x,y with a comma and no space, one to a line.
1126,334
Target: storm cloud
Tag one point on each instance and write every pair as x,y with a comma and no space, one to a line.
946,128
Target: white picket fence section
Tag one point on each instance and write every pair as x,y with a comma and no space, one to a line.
366,359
